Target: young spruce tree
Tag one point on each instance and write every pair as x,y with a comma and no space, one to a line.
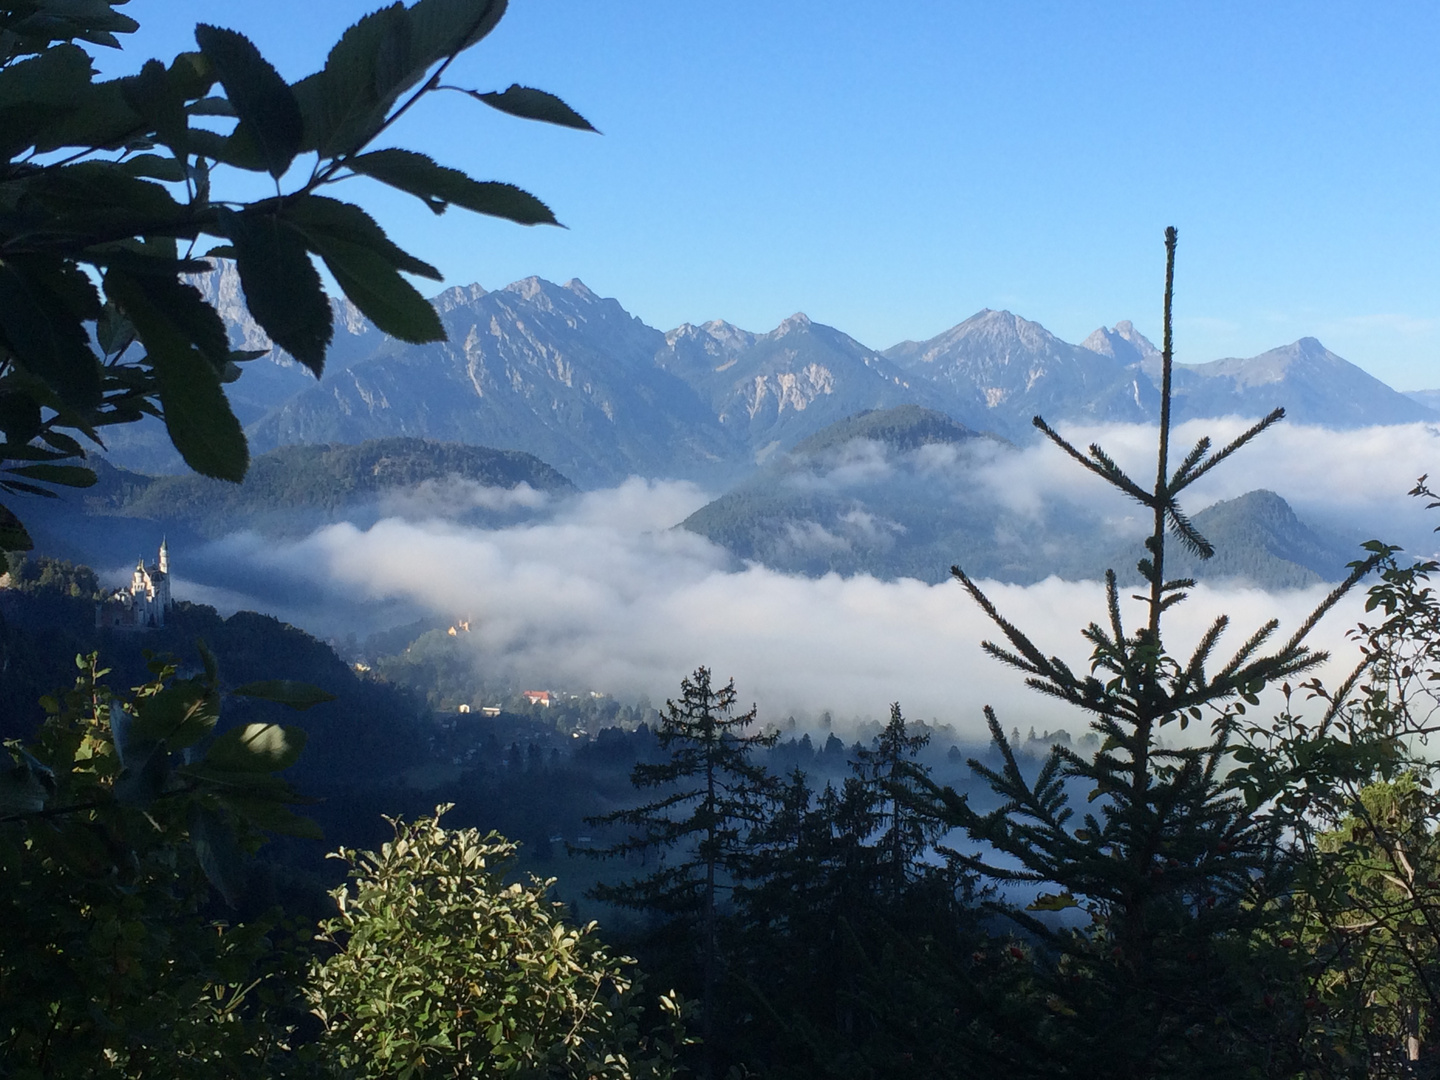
1170,864
709,794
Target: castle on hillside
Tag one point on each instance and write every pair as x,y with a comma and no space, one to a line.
143,603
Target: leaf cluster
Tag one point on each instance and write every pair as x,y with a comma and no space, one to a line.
115,823
109,200
441,966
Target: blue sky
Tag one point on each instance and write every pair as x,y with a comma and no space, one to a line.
892,168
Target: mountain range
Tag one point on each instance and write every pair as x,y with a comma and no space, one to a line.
562,373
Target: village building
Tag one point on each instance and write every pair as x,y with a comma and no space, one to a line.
143,604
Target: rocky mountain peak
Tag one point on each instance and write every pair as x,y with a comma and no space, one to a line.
530,288
457,296
797,322
1123,343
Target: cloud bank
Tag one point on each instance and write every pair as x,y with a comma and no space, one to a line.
603,593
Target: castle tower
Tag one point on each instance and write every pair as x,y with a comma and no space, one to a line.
164,557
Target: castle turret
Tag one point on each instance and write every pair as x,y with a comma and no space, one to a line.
164,557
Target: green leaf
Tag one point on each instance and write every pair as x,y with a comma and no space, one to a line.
282,288
345,103
382,295
297,695
101,120
44,336
531,104
183,305
197,413
438,186
154,166
180,715
40,91
256,748
381,57
263,100
317,216
160,102
66,475
143,778
347,239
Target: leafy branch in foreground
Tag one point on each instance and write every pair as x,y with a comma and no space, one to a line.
110,189
115,822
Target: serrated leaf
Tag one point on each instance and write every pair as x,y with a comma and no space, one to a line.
101,120
159,101
183,305
297,695
263,100
154,166
256,748
343,104
531,104
382,295
437,184
39,91
282,287
382,56
318,216
46,339
197,413
13,536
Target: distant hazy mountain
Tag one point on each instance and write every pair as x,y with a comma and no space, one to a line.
1429,398
771,390
1313,384
907,492
1257,539
291,491
552,370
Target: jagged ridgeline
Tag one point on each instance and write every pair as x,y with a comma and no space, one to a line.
572,377
897,492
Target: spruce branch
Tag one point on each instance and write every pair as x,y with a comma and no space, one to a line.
1274,417
1102,466
1187,534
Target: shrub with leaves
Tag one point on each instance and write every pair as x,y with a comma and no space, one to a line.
442,968
115,958
112,192
1348,772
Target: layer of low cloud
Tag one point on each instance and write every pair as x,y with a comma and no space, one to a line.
603,593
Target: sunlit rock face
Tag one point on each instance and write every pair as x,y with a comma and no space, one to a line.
552,369
1018,369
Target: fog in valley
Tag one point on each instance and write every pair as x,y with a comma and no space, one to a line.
601,591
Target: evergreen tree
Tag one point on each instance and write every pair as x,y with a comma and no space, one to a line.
888,772
709,795
1171,864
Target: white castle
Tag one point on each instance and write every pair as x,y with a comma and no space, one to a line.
143,603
